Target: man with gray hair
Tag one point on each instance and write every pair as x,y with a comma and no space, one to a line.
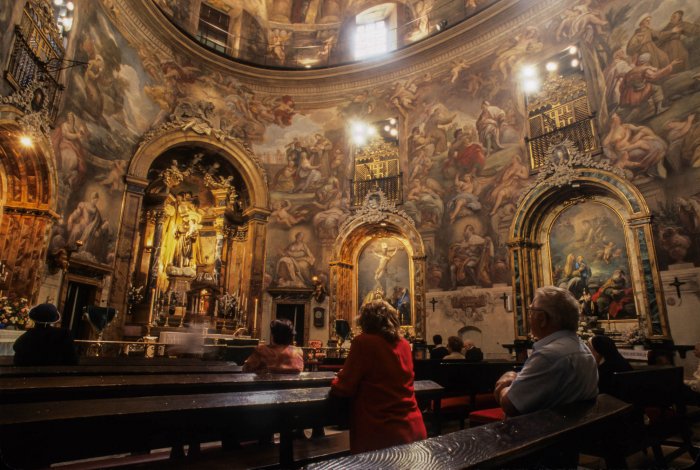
561,369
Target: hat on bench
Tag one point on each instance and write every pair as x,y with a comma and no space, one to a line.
44,313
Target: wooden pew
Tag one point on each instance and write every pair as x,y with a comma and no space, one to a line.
71,430
52,388
515,442
202,367
656,392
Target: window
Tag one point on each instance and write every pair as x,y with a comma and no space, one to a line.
370,39
213,28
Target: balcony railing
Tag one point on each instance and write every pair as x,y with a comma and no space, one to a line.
390,185
25,66
582,133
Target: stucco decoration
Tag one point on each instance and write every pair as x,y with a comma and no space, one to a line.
560,168
33,102
470,305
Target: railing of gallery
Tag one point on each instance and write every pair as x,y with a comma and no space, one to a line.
24,67
390,185
581,133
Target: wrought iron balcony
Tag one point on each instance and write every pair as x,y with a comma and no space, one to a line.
390,185
582,133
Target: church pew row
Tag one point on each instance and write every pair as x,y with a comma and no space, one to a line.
202,367
55,388
70,430
520,442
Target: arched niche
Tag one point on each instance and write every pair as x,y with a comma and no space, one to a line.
138,207
604,191
376,219
28,183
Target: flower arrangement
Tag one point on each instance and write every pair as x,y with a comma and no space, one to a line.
14,312
635,336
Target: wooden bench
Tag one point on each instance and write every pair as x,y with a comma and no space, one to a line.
517,442
202,368
468,385
71,430
656,392
52,388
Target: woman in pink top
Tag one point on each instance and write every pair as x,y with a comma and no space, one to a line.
279,356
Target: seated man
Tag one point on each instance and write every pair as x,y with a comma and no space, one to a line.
471,352
454,346
439,351
561,369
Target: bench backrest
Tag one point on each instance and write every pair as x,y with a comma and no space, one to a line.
650,386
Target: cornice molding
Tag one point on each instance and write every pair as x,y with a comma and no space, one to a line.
472,40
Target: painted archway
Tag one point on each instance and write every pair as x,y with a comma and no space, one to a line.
255,215
530,240
376,219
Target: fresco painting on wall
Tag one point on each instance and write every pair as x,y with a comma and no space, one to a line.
589,258
383,271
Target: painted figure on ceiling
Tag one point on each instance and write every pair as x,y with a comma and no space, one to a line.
294,268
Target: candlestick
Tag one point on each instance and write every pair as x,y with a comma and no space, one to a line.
150,310
255,316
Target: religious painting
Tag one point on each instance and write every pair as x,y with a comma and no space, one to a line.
589,258
383,272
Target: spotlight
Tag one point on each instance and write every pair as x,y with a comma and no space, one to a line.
392,121
552,66
70,6
371,130
58,3
573,50
307,66
528,71
26,141
575,63
387,128
441,25
531,85
394,132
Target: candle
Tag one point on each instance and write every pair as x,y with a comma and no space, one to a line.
153,299
255,316
295,316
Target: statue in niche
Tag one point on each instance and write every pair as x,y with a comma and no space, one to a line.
181,251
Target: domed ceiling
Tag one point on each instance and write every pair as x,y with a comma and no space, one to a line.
300,34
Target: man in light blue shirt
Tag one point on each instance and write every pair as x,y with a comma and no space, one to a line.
561,369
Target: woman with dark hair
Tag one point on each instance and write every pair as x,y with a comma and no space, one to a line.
609,361
378,377
279,356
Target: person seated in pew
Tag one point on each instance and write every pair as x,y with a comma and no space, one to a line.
279,356
44,345
454,346
561,369
439,351
378,377
609,361
471,352
691,391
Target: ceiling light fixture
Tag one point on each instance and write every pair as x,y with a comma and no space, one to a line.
26,141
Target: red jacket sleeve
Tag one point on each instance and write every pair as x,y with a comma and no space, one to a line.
348,379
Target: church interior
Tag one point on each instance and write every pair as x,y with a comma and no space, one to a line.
176,175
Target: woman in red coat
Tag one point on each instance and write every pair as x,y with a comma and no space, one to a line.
378,376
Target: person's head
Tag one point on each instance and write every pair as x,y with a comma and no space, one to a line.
44,314
552,309
380,318
644,58
299,236
454,344
468,344
437,340
282,331
677,16
645,20
469,230
603,348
